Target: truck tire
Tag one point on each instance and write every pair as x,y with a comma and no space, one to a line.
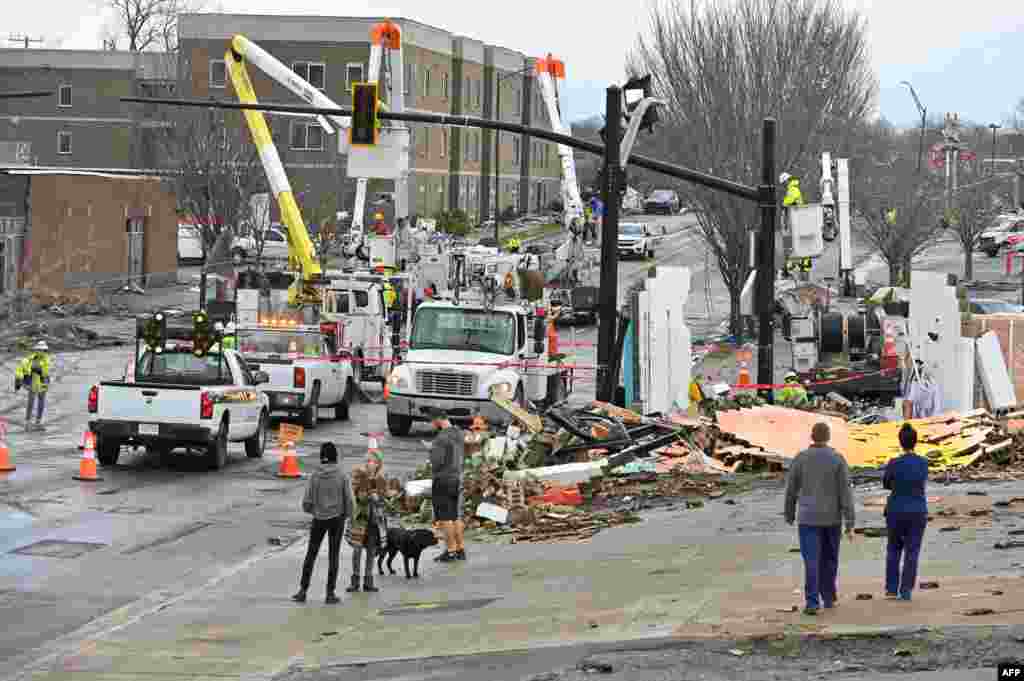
217,450
399,425
311,414
341,410
255,445
107,450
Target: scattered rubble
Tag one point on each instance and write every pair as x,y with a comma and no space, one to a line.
60,335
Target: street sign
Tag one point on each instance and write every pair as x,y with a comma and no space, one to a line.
289,432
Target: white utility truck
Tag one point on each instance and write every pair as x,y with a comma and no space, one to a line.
184,391
305,371
354,304
482,339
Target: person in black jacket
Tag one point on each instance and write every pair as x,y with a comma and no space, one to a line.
329,499
906,515
447,456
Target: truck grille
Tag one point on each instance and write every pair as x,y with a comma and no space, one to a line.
446,383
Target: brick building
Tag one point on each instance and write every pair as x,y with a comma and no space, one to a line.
451,168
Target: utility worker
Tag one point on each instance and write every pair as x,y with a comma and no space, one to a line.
512,245
229,341
380,228
793,394
794,197
34,373
390,296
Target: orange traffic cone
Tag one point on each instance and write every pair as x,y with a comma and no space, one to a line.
87,464
6,465
289,462
744,377
85,438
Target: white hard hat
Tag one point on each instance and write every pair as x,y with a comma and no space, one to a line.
791,374
784,178
41,345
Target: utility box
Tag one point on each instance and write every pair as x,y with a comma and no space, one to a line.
806,225
386,160
805,355
382,251
801,328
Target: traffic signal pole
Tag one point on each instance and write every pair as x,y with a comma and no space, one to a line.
609,245
765,287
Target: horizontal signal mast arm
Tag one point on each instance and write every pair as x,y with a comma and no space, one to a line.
735,188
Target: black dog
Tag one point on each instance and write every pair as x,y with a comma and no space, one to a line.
411,543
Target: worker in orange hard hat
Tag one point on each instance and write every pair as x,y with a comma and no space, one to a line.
380,228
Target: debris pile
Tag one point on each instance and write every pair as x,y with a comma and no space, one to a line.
59,335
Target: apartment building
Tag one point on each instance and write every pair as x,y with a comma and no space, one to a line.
451,168
83,124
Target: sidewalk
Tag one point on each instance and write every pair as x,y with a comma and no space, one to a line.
684,573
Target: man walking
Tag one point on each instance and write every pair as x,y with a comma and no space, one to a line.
329,500
819,483
447,456
34,373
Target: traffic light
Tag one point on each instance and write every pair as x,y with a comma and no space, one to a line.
643,85
202,334
363,132
154,332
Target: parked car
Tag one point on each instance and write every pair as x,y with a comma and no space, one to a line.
190,243
635,239
994,306
663,201
1006,231
275,245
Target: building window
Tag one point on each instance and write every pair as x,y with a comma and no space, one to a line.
307,137
64,95
218,73
466,94
425,151
409,76
479,146
426,82
517,109
444,85
353,74
63,142
515,150
444,142
314,73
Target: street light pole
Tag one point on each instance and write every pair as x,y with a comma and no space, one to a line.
994,127
924,121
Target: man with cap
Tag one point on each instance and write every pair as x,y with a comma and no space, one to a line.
33,372
447,457
380,228
329,500
793,394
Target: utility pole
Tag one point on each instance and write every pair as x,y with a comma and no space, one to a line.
924,120
993,127
24,39
765,287
609,294
951,136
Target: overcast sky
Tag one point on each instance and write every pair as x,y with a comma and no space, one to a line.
963,57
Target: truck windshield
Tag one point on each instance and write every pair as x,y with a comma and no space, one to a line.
181,367
631,229
280,342
460,329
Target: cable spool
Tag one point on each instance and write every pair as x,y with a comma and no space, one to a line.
857,332
831,332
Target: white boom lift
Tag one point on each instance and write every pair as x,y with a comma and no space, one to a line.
389,160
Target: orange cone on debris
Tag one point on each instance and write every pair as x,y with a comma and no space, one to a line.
87,464
744,377
289,462
6,465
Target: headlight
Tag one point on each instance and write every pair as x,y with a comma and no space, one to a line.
501,389
398,379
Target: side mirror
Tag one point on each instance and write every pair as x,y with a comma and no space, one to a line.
260,377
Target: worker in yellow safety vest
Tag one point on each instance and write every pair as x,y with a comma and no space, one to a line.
794,197
33,372
793,394
513,245
390,296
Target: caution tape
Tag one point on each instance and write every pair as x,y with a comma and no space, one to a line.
831,381
525,364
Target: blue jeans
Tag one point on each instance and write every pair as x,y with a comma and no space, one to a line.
819,547
906,531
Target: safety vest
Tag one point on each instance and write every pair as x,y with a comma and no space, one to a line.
35,369
793,393
389,296
794,197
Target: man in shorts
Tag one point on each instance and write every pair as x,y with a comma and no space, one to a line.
447,455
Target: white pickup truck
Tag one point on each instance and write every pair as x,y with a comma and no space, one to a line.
175,399
305,373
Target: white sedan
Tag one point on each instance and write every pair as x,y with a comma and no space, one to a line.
275,245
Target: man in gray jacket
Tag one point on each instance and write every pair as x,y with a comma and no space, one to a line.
819,483
329,500
447,459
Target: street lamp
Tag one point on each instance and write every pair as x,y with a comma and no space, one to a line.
499,79
924,114
994,127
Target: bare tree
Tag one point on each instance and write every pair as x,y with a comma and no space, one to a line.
145,25
972,215
902,213
320,214
722,68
